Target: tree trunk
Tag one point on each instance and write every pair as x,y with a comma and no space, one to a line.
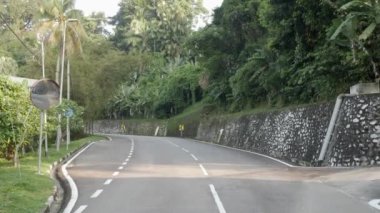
16,160
374,66
68,98
193,98
353,49
57,70
59,130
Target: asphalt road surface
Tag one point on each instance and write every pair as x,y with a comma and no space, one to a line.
136,174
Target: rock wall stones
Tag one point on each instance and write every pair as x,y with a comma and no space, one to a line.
294,135
356,139
131,127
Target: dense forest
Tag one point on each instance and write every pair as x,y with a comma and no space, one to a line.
156,63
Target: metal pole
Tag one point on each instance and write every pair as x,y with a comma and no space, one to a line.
43,76
45,131
59,130
43,56
68,98
40,142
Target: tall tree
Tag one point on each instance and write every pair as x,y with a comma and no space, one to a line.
155,26
63,32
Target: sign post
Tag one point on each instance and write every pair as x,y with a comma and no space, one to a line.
69,113
44,95
181,129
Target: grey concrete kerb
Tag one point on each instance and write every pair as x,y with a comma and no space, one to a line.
61,182
54,197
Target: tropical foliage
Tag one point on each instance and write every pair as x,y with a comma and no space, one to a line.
19,120
155,64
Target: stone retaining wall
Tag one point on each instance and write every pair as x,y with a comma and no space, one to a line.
294,135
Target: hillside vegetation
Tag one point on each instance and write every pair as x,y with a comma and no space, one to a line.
254,53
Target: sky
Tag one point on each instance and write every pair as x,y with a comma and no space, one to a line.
110,7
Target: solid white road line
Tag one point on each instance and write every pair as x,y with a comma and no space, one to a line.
203,170
81,209
218,202
185,150
120,167
97,193
115,174
73,187
251,152
195,158
375,203
107,182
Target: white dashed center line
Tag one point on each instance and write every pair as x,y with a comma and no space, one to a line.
81,209
185,150
97,193
203,170
218,202
107,182
195,158
172,143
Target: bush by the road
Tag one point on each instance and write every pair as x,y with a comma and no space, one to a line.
19,120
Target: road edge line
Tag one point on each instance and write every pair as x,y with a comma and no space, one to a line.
251,152
73,186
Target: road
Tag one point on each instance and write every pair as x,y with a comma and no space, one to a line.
137,174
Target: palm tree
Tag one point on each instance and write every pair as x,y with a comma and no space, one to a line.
64,33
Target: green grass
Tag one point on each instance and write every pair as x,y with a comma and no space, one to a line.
261,108
191,110
190,118
22,189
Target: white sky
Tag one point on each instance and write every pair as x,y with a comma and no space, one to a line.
110,7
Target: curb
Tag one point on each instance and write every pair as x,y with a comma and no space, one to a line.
61,186
52,171
68,179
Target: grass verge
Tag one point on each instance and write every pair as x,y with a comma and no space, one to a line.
22,189
190,118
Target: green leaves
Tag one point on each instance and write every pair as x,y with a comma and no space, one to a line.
368,31
155,26
359,27
19,119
